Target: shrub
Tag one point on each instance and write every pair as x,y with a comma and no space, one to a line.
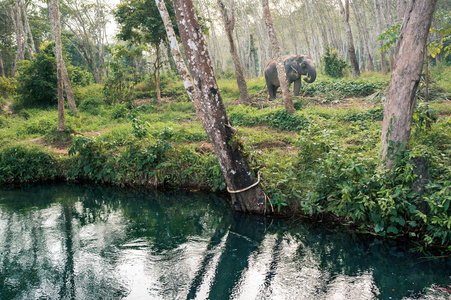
22,163
333,64
37,80
92,105
7,85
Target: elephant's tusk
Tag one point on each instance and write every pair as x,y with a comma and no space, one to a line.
297,73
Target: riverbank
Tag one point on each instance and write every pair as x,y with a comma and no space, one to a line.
321,161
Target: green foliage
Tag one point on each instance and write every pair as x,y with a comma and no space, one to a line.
277,118
119,86
37,82
333,64
7,85
92,105
140,21
82,93
22,163
442,44
346,87
140,127
37,79
389,37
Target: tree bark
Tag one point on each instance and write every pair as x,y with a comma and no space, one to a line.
27,25
400,99
363,29
379,29
246,193
229,24
100,43
287,98
179,62
56,32
61,66
68,88
20,51
350,41
2,68
157,67
21,30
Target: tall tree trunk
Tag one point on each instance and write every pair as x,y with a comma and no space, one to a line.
379,29
2,68
400,99
99,43
68,88
287,98
21,30
20,51
363,30
27,25
157,66
179,62
56,32
350,41
246,192
229,24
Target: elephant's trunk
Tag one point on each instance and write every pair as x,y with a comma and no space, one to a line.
311,76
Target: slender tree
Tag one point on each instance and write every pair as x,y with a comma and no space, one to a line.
344,9
2,68
379,30
55,23
178,58
287,98
56,32
400,99
229,25
27,26
245,190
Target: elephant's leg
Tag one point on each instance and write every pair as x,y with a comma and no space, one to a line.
297,87
272,91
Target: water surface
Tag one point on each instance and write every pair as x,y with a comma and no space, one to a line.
87,242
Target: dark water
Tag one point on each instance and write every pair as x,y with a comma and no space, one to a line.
85,242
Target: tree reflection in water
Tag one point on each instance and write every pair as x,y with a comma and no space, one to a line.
84,242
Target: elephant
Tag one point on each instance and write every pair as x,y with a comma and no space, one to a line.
295,66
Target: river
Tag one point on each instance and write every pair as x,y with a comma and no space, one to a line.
90,242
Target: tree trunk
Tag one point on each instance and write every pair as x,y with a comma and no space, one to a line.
379,29
363,29
246,192
2,69
400,98
229,24
157,66
178,58
287,98
99,43
56,32
351,51
68,88
20,50
426,88
27,26
21,30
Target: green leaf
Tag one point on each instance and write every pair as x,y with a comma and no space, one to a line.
393,230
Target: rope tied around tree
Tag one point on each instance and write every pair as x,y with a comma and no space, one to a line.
247,188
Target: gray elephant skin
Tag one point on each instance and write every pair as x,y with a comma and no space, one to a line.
295,67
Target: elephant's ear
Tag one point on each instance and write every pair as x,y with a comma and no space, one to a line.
300,60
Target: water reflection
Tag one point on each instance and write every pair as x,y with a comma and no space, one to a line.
84,242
